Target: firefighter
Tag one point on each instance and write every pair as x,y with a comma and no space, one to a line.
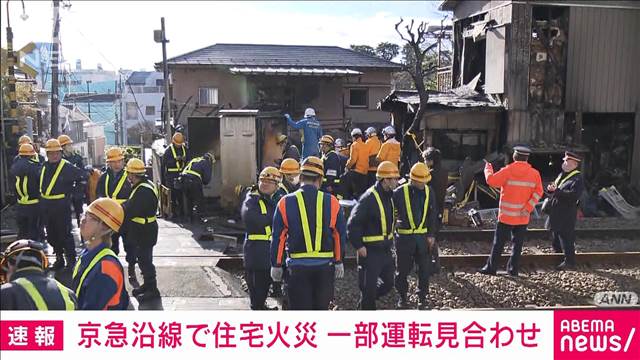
439,176
141,227
113,184
390,149
194,176
314,241
257,215
57,178
173,161
564,194
521,189
373,144
332,166
290,170
311,132
415,233
370,231
98,278
80,186
26,170
354,181
23,265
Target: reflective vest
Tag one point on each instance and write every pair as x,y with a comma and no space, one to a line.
150,219
116,191
420,229
47,194
103,253
22,191
386,234
178,167
37,298
187,169
330,172
313,248
559,182
266,236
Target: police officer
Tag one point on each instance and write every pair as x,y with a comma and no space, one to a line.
373,146
141,226
290,170
194,176
113,184
415,232
370,231
26,170
310,225
98,278
23,264
57,178
80,186
257,215
564,194
332,166
521,189
173,161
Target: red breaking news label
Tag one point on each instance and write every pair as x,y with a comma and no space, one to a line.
31,335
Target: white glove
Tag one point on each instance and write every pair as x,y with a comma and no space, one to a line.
276,274
339,271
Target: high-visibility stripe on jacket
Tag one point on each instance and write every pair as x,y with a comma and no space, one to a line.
389,151
371,221
39,300
179,164
98,278
420,228
374,145
152,187
386,230
23,192
116,191
559,181
521,189
359,157
266,235
187,169
47,193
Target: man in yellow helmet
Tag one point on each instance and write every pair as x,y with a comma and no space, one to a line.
24,139
415,230
257,214
26,171
332,166
194,177
370,231
290,169
141,227
80,186
174,160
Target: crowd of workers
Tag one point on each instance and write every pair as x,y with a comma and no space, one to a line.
296,227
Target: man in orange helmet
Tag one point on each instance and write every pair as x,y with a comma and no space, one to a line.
174,160
26,170
290,169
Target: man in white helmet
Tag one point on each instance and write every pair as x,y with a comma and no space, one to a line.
311,132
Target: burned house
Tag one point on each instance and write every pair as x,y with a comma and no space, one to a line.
566,73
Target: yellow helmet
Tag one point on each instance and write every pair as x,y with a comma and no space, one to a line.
53,145
420,172
24,139
313,166
281,138
177,138
26,150
108,211
270,173
326,139
115,154
290,167
135,166
387,170
64,140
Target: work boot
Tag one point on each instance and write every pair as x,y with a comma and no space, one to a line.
423,304
487,271
151,292
139,290
565,266
59,264
402,303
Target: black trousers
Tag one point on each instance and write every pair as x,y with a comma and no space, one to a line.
371,178
412,250
258,282
176,195
379,263
129,249
310,287
565,241
144,254
502,234
57,220
192,198
353,184
28,221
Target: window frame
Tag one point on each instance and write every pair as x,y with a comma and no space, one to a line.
366,98
217,96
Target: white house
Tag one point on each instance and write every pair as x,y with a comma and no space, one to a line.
142,103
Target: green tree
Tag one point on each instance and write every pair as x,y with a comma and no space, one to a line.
364,49
388,51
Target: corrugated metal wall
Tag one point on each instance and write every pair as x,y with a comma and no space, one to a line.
603,71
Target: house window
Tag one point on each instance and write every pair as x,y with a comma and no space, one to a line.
150,110
159,82
358,97
457,145
132,111
208,96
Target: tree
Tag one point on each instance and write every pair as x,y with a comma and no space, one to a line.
387,50
364,49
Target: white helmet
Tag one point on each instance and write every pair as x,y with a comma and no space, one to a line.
309,112
339,143
356,131
370,131
389,130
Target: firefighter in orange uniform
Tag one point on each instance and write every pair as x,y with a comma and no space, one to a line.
390,149
373,144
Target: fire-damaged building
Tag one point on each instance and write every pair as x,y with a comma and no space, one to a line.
566,74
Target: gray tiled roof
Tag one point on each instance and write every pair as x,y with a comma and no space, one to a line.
280,55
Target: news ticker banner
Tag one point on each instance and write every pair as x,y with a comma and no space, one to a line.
531,334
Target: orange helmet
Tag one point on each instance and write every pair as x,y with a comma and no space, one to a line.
24,139
115,154
108,211
135,166
290,167
387,170
177,138
270,173
22,253
53,145
26,150
64,140
313,166
420,173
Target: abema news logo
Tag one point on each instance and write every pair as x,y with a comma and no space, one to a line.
597,334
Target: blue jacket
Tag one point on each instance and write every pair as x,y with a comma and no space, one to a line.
257,220
288,235
203,167
311,134
365,219
63,185
29,169
114,181
103,288
417,198
14,297
332,170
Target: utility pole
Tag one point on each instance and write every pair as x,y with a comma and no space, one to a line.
160,36
122,126
54,68
89,98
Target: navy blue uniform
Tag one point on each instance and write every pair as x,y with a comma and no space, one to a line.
174,160
15,295
563,212
80,187
284,188
26,172
412,229
194,176
117,187
367,227
333,170
257,215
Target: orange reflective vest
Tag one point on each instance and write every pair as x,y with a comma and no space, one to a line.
390,151
373,144
521,189
359,157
